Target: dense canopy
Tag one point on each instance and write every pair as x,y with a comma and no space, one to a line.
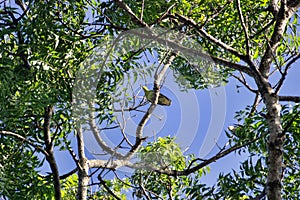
69,72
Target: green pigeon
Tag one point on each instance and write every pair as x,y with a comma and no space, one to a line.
162,99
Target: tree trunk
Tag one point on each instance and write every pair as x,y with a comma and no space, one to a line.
83,168
275,148
275,142
56,180
83,181
49,149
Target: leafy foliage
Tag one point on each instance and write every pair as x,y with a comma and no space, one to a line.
69,187
164,153
43,47
19,177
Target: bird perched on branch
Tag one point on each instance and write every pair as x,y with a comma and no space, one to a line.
162,99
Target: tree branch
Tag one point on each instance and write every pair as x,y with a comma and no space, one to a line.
295,99
241,17
252,71
293,4
114,164
210,37
99,140
254,105
83,177
284,14
197,167
273,7
243,81
49,148
133,16
285,72
260,196
23,139
21,4
102,182
214,15
66,175
264,29
139,131
290,122
164,15
72,153
175,46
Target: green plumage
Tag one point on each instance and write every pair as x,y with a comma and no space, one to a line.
162,99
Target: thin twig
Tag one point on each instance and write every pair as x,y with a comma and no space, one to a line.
244,83
254,105
245,29
206,162
218,12
285,72
66,175
133,16
142,11
98,138
23,139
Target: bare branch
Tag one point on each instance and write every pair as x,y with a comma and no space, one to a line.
113,164
295,99
290,122
21,4
197,53
144,191
273,7
260,196
142,12
263,29
285,72
232,65
124,160
66,175
46,128
72,153
98,138
244,82
255,104
139,131
245,29
252,71
123,127
293,4
274,57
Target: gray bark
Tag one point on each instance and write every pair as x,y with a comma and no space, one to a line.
83,177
